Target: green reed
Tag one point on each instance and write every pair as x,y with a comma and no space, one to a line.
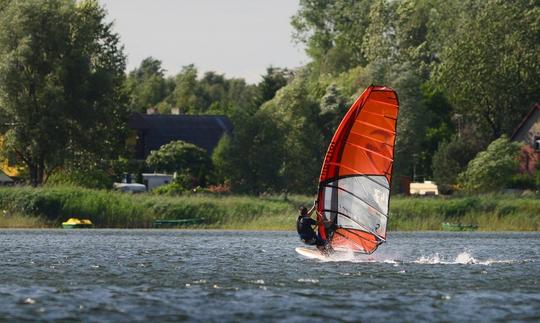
106,209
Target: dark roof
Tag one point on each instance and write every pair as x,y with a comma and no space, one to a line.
157,130
529,114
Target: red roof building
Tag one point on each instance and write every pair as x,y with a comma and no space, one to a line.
528,133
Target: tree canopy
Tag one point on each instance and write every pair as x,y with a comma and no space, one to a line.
466,72
61,79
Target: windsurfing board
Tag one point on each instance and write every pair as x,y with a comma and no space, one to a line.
310,253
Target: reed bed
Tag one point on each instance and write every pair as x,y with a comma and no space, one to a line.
39,207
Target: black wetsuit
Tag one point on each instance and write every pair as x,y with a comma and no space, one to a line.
305,231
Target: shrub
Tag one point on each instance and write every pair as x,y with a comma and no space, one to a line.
522,181
191,163
90,178
492,169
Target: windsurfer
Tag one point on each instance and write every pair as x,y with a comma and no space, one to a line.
304,226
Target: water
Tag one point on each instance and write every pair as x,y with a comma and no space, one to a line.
136,275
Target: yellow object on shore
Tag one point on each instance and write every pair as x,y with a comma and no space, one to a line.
74,223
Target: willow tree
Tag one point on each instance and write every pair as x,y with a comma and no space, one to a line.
61,76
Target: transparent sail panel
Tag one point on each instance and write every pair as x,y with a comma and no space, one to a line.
371,189
360,210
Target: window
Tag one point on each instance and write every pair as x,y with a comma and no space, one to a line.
537,143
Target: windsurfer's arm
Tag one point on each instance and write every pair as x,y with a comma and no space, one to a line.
312,208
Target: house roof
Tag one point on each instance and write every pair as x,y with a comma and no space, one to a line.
534,108
202,130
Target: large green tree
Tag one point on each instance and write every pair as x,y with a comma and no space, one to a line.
489,64
297,117
61,77
251,160
333,31
147,85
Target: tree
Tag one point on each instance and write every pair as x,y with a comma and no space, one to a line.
493,168
333,108
274,79
251,160
450,159
489,63
61,78
297,118
191,163
147,85
333,31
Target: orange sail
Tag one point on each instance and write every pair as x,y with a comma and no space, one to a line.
354,186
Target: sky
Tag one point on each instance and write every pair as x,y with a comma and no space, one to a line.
238,38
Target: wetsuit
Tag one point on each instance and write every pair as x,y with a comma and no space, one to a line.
305,231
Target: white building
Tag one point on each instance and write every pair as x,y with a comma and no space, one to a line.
153,180
425,188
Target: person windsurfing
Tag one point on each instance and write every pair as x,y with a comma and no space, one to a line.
304,226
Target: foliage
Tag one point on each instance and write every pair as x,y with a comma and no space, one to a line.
213,94
61,78
537,176
147,85
51,205
489,212
333,32
522,182
465,73
489,65
333,107
251,160
94,178
191,164
171,189
450,159
297,118
222,159
274,79
492,169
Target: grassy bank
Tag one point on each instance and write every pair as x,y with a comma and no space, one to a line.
51,206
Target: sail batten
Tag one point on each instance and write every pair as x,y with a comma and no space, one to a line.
367,203
369,150
354,186
378,127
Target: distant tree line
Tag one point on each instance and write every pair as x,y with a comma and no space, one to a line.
466,72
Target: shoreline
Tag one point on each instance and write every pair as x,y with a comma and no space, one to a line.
47,207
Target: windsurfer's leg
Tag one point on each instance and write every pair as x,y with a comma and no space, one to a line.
310,242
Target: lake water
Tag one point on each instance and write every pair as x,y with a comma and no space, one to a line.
136,275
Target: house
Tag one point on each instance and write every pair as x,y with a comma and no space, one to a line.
528,133
155,130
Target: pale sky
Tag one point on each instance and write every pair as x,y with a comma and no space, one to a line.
238,38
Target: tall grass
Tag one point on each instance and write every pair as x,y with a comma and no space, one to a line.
119,210
490,212
18,221
108,209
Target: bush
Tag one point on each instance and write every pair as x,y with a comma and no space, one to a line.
91,178
191,163
492,169
522,182
169,189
